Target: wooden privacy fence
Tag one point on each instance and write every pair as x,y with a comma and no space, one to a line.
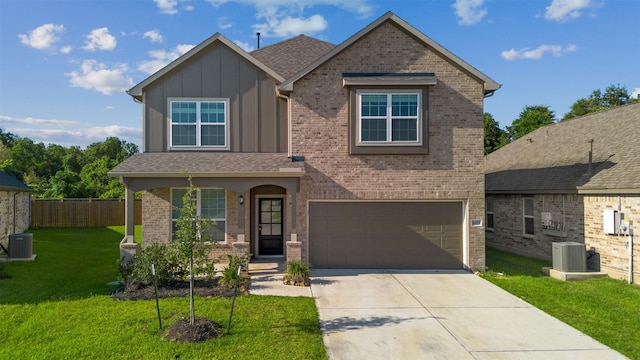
81,212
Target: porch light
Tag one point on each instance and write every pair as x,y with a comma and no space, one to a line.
241,199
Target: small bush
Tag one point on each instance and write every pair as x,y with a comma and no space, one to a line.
230,272
298,273
169,262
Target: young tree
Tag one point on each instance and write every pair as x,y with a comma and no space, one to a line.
531,118
191,231
494,137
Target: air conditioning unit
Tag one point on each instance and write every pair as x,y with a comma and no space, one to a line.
569,256
20,246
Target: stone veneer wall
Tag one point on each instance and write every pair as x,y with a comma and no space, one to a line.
583,219
614,255
156,220
508,234
7,217
453,169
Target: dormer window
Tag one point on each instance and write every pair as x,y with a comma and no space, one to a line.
199,123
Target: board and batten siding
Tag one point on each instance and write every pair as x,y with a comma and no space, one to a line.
258,117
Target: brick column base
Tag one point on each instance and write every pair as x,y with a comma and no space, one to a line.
294,251
240,248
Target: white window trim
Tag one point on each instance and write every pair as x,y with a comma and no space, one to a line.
525,216
389,141
198,124
199,209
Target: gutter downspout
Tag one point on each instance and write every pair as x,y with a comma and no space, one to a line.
289,140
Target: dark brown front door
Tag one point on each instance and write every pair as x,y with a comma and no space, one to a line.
270,227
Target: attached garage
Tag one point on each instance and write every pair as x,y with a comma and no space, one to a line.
399,235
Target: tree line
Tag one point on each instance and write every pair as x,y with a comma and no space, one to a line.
533,117
54,171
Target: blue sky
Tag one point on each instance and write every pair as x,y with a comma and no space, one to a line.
65,64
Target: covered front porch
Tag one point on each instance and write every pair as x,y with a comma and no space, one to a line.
260,196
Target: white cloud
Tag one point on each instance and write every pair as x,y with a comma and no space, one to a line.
97,76
244,45
282,18
565,10
538,53
469,12
224,23
100,39
289,26
636,93
35,121
169,7
66,132
154,36
65,49
43,37
160,58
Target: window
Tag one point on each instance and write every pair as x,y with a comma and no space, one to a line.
199,123
211,203
489,209
527,211
389,118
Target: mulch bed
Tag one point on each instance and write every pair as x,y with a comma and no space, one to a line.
202,330
203,288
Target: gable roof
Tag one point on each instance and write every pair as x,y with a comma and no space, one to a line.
10,183
290,56
489,85
555,158
136,91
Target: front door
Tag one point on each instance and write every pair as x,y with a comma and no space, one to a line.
270,238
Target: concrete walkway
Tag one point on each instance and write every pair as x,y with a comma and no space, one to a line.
381,314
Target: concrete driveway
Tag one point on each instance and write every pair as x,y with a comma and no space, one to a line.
400,314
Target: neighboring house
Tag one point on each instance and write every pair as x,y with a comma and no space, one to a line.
15,203
554,185
364,155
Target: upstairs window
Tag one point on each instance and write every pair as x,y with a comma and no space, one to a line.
389,118
199,123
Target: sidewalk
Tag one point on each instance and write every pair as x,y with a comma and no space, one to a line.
267,276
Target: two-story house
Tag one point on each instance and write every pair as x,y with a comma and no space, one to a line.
368,154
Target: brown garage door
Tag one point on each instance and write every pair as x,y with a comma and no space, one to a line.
401,235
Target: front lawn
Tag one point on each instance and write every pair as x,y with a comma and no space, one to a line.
59,307
608,310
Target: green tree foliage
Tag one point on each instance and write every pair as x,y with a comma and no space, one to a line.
494,137
531,118
614,95
54,171
191,231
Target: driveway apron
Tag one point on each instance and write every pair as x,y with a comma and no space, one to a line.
397,314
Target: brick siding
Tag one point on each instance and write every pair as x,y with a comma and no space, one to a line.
451,171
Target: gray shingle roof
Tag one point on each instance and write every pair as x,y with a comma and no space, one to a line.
211,164
555,158
290,56
10,183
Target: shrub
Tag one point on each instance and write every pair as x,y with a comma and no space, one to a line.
230,272
298,273
170,264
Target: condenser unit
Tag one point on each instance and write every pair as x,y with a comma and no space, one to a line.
20,246
569,256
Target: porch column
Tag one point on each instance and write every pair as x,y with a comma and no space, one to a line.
129,215
294,247
128,247
241,205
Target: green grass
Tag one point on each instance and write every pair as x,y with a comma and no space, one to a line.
606,309
59,307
